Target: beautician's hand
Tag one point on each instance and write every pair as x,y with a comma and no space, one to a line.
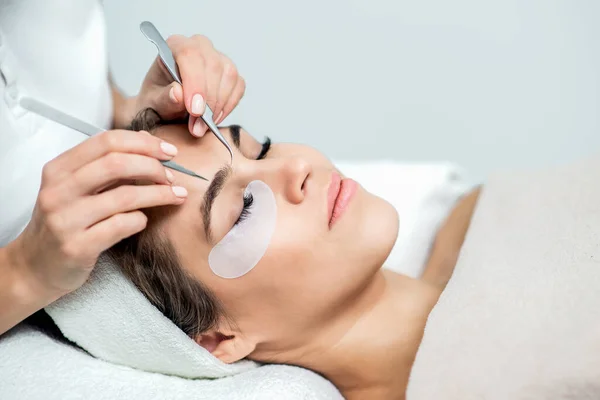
208,77
87,203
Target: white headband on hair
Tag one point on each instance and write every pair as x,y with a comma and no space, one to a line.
112,320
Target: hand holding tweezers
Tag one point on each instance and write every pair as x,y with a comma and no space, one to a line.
165,54
69,121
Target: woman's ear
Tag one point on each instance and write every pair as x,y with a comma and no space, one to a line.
225,344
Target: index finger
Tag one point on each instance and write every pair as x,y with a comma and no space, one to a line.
119,140
192,57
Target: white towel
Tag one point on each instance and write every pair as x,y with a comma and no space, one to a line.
35,367
111,319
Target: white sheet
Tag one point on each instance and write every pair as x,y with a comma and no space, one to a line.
520,316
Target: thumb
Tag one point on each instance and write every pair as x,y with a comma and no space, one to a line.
168,101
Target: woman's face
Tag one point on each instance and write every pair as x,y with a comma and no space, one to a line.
312,269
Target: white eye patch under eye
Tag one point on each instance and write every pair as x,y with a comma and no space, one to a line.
247,242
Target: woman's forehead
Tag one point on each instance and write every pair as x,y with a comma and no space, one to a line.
205,155
178,134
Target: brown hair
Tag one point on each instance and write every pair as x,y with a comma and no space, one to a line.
150,261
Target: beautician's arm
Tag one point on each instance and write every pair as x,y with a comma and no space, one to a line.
449,241
79,213
20,297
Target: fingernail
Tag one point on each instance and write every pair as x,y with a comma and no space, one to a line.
172,95
168,149
179,191
170,176
197,104
218,120
198,129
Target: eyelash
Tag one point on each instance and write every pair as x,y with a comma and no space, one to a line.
248,201
266,146
248,198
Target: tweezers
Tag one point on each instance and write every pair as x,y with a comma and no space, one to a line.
165,54
69,121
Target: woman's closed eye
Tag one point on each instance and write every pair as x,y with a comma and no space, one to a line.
248,199
266,146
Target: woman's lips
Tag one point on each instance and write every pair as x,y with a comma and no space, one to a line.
332,194
339,196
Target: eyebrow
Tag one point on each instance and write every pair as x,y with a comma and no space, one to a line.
217,184
215,187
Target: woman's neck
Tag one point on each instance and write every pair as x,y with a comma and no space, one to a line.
373,359
369,352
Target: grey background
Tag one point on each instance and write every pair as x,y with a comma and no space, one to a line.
486,84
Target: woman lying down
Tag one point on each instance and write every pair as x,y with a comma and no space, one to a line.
278,259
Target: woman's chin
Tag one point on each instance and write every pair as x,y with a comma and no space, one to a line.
390,227
377,230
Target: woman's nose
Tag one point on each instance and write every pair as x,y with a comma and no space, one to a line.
293,173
